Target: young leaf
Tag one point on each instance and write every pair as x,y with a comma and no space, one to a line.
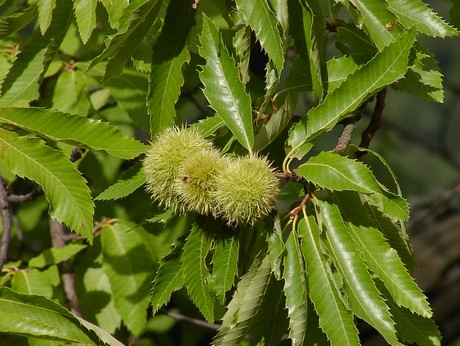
74,129
64,187
245,303
364,297
85,15
37,316
223,87
261,19
129,182
21,84
385,68
170,54
128,264
335,320
55,255
375,16
416,13
196,272
169,277
225,266
295,289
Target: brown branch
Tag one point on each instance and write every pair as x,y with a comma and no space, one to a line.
58,236
303,203
195,321
6,222
30,196
375,122
284,177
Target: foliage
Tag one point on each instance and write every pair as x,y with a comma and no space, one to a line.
95,81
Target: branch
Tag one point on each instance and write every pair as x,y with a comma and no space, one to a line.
195,321
6,219
284,177
30,196
375,122
58,236
303,203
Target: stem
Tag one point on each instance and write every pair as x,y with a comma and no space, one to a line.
195,321
375,122
6,220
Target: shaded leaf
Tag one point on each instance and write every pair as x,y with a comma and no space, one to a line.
75,129
21,83
115,10
225,266
417,13
34,281
295,289
196,272
128,265
17,21
64,187
223,87
335,320
170,54
245,304
129,181
209,126
261,19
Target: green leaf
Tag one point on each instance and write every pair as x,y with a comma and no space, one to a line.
295,289
245,304
37,316
423,78
242,46
121,46
196,272
416,13
364,297
130,181
103,335
386,264
225,266
74,129
128,264
55,255
45,14
115,10
64,187
21,84
85,15
170,54
338,71
385,68
276,249
375,17
17,21
261,19
209,126
223,87
34,281
169,277
335,320
336,172
276,124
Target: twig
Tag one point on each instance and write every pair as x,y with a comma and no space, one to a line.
6,221
58,239
76,154
375,122
283,177
303,203
30,196
195,321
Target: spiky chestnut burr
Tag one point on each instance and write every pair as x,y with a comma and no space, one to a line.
161,164
197,179
246,191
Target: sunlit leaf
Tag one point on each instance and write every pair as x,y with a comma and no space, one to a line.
129,182
225,266
85,15
17,21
